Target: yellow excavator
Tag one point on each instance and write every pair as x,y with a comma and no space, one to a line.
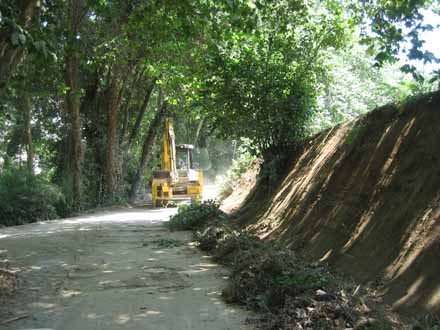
177,179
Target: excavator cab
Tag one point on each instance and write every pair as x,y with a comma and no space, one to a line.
184,156
177,178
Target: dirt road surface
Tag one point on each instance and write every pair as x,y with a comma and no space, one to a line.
116,269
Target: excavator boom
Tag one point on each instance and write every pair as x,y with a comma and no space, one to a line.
168,157
176,179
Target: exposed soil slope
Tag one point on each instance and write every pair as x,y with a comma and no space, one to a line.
365,197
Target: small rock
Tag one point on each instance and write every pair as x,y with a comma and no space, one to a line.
321,295
320,292
301,313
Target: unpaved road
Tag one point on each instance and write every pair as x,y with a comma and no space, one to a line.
110,271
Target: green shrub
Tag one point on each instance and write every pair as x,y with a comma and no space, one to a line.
196,215
26,198
356,132
239,166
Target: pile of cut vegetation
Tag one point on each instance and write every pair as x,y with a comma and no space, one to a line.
286,291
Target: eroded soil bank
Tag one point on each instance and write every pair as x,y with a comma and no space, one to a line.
365,197
112,270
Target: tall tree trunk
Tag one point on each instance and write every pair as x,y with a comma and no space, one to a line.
76,11
111,166
149,141
73,103
199,130
27,116
11,55
126,108
141,113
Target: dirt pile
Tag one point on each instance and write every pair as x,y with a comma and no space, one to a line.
365,197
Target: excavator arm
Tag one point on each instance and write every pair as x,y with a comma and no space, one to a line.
168,158
170,182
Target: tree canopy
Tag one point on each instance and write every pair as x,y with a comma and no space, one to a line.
85,84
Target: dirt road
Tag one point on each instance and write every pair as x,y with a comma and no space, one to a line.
118,269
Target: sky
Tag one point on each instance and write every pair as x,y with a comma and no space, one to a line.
432,40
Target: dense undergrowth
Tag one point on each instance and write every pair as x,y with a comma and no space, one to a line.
287,291
26,198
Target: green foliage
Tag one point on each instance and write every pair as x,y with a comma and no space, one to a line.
228,69
25,198
427,322
166,243
352,86
384,325
391,28
274,167
356,132
195,215
239,166
262,84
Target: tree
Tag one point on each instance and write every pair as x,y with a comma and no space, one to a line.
229,69
352,85
77,9
392,27
263,82
16,16
149,140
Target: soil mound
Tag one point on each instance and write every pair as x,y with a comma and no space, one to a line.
365,197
